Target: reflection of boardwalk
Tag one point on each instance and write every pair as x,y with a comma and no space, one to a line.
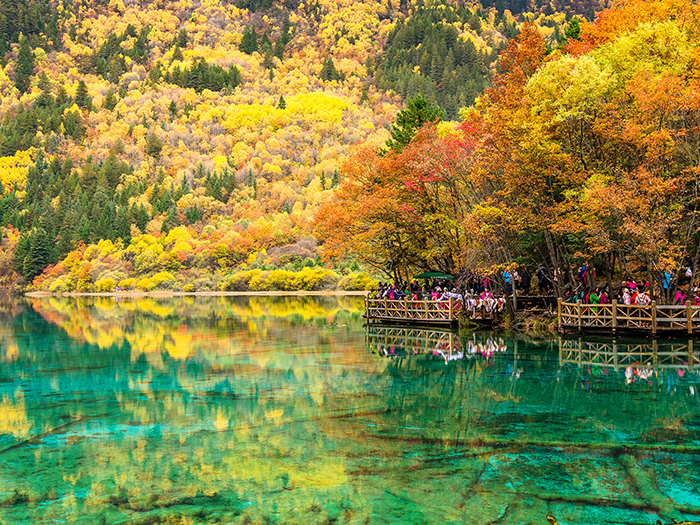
395,341
618,355
408,340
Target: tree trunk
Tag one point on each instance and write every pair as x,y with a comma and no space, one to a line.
609,271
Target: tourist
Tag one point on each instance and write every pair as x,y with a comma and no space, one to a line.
525,281
642,299
626,297
542,278
680,297
509,285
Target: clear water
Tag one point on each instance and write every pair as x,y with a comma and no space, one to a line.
287,411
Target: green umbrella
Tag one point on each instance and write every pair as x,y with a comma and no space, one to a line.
434,275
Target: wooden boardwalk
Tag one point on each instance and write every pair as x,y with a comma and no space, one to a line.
612,318
424,312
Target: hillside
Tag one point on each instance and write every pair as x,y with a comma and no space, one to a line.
190,144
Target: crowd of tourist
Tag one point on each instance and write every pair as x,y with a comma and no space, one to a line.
484,295
475,300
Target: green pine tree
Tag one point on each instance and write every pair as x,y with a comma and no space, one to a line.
328,71
81,94
25,65
110,101
153,146
39,255
365,95
249,42
418,112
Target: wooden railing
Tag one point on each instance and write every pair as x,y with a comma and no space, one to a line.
435,312
652,318
640,355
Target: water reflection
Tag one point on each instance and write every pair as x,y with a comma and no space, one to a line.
285,410
391,341
671,367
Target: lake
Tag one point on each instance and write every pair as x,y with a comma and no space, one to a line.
286,410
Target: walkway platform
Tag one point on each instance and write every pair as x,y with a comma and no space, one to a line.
425,312
644,320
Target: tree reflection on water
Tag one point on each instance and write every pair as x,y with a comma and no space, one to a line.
285,410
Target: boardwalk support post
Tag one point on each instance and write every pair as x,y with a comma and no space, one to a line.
578,314
653,317
559,307
614,314
689,316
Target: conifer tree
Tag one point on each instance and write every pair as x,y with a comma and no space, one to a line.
81,94
265,44
39,255
365,95
249,42
25,65
177,54
153,146
418,112
110,101
328,71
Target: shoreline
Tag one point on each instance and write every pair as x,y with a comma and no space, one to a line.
163,294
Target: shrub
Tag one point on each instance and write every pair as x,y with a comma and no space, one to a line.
259,281
239,282
127,283
58,286
105,285
204,285
146,284
281,280
357,281
188,288
316,279
162,277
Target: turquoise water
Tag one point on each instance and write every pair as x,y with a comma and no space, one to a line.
287,411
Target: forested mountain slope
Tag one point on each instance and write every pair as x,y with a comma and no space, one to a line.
173,144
